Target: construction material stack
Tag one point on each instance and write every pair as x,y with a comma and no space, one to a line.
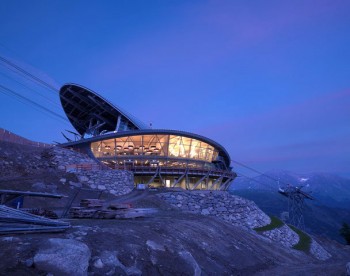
94,208
17,221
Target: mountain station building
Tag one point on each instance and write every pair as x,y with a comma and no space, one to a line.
157,157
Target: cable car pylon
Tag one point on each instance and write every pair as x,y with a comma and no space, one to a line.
296,204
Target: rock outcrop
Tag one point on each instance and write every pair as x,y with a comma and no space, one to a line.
109,261
63,257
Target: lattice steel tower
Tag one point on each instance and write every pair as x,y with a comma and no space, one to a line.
296,203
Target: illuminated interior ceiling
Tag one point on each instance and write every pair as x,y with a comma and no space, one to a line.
156,145
92,115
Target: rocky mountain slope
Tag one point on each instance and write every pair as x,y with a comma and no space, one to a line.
171,243
192,233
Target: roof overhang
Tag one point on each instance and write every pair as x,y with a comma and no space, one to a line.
90,113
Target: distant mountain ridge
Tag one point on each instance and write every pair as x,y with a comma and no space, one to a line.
328,189
323,216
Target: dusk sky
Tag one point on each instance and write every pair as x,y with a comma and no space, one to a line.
269,80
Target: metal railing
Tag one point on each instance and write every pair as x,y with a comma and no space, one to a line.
86,167
150,169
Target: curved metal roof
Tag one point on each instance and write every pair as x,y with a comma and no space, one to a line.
90,113
221,149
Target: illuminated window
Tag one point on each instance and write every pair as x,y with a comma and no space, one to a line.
172,146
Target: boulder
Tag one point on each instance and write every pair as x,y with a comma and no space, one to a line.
109,258
63,257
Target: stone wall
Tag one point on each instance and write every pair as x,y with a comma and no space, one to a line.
284,235
62,157
288,238
233,209
116,182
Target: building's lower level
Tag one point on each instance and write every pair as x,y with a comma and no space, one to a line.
163,158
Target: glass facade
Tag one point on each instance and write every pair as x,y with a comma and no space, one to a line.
160,147
165,160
